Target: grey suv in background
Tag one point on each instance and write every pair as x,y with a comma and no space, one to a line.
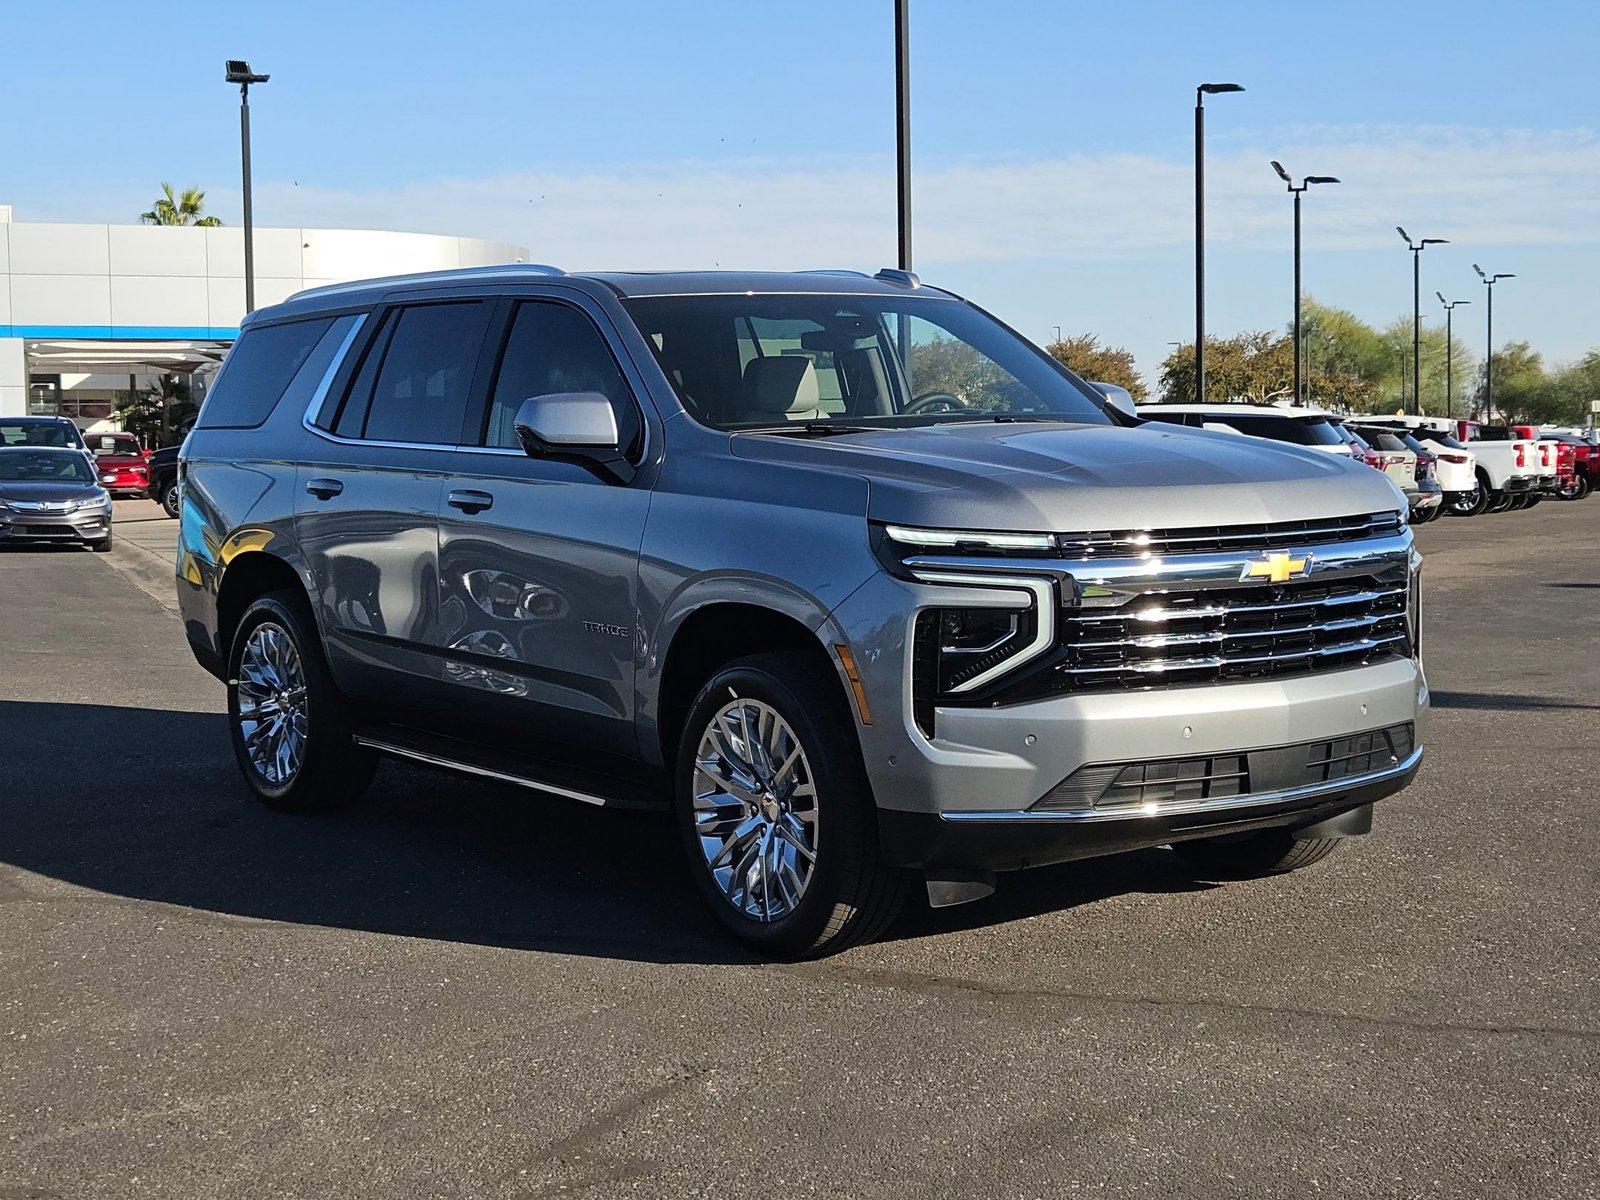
858,582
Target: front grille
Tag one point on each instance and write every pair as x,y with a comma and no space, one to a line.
1204,635
1213,539
1132,786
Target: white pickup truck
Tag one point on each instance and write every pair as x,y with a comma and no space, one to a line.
1528,457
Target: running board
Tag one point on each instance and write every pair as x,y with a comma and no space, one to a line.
449,755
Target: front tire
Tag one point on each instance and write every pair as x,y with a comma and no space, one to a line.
1253,855
289,722
776,812
103,546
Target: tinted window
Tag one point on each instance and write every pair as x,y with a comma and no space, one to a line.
113,443
419,391
555,348
38,433
1301,431
1382,439
257,372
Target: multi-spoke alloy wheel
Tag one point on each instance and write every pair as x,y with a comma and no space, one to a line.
755,809
272,703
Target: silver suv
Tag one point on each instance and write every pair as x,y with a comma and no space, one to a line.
855,580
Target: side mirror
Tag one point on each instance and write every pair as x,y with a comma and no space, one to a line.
1119,398
576,427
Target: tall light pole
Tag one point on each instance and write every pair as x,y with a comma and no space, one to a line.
1488,353
1297,192
238,71
1416,313
1200,94
1449,354
902,124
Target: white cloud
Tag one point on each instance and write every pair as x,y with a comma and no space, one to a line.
1470,185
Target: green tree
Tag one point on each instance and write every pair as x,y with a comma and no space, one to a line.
1086,357
1252,368
179,208
153,412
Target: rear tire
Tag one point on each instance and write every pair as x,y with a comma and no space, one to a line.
769,774
169,499
1470,504
1253,855
1499,502
290,724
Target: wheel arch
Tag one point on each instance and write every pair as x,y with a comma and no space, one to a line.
715,633
245,577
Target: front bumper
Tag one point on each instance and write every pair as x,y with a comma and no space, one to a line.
1013,841
18,527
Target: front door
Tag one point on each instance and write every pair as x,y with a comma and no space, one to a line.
538,560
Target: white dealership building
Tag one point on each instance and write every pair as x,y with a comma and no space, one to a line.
90,313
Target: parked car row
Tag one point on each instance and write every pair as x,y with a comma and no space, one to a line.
1441,464
122,465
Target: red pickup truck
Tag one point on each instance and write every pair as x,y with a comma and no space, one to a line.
120,462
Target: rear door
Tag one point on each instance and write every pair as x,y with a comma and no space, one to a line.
539,559
369,489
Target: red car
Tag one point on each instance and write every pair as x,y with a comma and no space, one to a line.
120,463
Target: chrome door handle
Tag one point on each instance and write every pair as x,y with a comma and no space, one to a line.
470,501
324,489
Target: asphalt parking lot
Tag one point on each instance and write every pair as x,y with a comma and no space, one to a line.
460,990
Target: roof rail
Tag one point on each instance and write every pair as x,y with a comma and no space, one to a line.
835,271
896,275
493,271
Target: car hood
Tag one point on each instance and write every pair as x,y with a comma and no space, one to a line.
1063,477
47,491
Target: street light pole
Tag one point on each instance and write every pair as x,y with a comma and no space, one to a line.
1200,94
1449,354
1488,355
1416,313
1297,192
238,71
902,124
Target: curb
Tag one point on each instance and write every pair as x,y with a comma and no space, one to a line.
147,570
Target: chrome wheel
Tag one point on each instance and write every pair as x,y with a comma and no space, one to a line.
272,703
755,810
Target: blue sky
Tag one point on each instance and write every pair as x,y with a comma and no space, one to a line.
1051,140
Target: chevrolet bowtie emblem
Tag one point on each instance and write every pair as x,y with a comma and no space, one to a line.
1277,567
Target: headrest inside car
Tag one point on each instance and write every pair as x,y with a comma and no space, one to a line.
783,383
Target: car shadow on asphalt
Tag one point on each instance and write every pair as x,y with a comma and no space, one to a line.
1504,701
148,804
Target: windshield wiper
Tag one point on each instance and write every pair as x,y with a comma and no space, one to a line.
811,429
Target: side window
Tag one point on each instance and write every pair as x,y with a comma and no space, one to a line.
259,370
413,385
553,347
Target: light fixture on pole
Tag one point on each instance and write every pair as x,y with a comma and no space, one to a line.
238,71
1200,94
1416,313
1297,192
1449,354
1488,327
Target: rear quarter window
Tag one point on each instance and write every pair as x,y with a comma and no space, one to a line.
262,365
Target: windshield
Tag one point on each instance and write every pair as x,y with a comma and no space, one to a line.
44,466
768,362
1444,439
37,433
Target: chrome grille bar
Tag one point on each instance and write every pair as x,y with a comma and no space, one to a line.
1164,666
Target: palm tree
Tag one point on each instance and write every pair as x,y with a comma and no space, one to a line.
176,209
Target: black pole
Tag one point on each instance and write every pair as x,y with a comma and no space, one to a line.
1199,247
1449,366
1298,394
1488,358
249,221
902,105
1416,332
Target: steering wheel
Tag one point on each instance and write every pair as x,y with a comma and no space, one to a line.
934,402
